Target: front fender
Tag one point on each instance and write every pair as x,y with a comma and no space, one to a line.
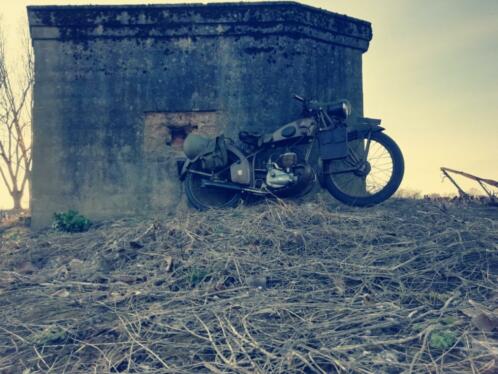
363,127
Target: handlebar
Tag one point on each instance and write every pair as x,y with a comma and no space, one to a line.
341,108
308,105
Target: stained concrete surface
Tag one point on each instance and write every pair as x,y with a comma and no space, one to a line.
100,70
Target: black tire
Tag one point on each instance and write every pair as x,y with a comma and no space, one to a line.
362,197
204,198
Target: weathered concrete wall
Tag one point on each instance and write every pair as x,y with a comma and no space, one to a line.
100,70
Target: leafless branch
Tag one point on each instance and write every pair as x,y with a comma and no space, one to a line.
16,85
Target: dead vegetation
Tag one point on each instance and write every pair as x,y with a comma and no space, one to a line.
407,287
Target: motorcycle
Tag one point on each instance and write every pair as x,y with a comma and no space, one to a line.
359,166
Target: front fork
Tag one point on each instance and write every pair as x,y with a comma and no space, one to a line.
364,166
367,148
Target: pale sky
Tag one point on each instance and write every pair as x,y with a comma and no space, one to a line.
431,75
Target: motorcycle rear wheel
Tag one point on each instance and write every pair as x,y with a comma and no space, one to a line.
376,181
204,198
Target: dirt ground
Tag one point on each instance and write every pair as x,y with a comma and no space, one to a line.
409,286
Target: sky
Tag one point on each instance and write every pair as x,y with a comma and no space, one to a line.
431,75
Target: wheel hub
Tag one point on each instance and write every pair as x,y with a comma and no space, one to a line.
363,170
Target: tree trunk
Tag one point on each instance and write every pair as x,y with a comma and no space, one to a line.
16,197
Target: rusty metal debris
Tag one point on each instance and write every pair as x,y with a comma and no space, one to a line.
481,181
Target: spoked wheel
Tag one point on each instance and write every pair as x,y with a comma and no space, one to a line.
204,197
359,182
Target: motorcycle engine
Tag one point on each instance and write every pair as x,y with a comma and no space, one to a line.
278,178
288,174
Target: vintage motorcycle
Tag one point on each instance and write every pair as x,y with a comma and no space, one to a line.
359,166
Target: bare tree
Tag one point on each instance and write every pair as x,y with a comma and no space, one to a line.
16,83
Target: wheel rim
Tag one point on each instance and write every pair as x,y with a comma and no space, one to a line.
371,176
212,197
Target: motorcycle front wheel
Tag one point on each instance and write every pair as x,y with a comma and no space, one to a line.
203,198
360,181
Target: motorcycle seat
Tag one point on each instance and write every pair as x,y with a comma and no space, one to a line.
255,138
251,138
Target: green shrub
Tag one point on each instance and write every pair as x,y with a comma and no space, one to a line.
71,221
442,339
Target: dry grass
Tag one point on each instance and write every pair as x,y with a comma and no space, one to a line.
406,287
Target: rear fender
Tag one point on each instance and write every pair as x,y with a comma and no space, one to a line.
182,172
244,163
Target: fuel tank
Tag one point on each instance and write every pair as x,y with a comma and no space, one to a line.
296,129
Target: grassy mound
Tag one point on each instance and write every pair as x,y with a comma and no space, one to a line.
409,286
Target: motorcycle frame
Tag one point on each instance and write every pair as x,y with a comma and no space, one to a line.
321,120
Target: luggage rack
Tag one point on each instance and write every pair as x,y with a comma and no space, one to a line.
481,181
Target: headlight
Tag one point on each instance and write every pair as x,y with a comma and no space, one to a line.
341,109
346,107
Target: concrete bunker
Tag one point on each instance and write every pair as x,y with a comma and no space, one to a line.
118,87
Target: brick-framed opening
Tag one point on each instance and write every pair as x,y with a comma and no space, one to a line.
166,131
